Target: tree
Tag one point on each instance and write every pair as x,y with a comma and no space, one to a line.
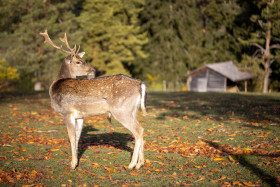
22,43
264,39
7,74
112,36
176,38
222,29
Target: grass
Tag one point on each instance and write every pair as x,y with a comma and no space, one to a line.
191,139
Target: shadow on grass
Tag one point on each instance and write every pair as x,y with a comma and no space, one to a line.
7,97
241,159
114,139
217,106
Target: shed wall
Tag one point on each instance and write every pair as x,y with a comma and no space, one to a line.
198,82
207,80
216,81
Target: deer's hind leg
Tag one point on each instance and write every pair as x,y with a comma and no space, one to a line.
130,122
74,128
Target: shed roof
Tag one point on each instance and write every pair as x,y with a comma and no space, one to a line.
227,69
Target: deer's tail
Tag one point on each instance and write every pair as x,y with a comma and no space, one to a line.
143,99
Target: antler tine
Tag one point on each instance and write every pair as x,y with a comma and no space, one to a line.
48,40
65,41
78,50
74,49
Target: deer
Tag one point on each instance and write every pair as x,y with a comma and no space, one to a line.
74,99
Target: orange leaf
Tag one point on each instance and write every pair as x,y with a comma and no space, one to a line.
214,181
111,153
215,170
147,161
10,179
102,177
3,158
200,178
95,164
236,183
134,173
34,172
218,159
231,159
249,183
53,150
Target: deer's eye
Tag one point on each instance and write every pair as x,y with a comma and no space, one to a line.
78,62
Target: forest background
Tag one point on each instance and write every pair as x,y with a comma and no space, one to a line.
154,40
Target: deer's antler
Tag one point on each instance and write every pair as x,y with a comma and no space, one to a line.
78,50
64,40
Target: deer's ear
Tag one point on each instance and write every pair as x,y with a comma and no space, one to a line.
68,61
81,54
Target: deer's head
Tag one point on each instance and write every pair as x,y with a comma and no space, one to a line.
73,65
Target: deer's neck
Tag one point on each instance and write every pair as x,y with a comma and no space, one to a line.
64,72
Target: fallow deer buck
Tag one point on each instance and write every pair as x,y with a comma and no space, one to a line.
75,99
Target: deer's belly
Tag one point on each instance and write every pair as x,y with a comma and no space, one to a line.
81,107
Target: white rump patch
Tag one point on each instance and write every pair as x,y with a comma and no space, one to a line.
143,92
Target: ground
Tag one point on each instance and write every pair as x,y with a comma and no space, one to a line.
191,139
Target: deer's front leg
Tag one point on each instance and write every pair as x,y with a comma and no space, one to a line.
74,128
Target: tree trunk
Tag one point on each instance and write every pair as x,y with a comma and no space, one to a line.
267,56
266,80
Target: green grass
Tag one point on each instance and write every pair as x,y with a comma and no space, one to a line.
196,139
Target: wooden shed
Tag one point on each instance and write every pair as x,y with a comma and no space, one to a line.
220,76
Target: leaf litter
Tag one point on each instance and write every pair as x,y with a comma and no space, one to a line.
185,144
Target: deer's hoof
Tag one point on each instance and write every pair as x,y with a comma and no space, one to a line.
131,166
139,165
73,166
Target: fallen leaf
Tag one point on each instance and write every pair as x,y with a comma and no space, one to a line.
111,153
134,173
102,177
218,159
54,150
231,159
200,178
214,181
249,183
237,183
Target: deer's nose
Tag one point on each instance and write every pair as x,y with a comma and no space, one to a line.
91,71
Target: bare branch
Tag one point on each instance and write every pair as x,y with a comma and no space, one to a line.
258,46
256,53
275,46
275,38
260,23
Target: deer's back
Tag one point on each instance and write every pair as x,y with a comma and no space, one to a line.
89,93
101,86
